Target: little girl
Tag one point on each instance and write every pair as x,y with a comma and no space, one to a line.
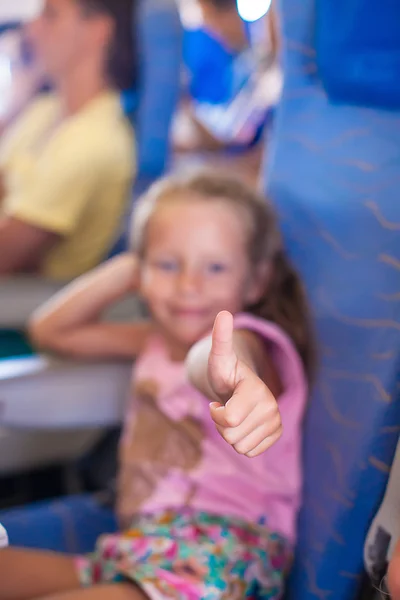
198,520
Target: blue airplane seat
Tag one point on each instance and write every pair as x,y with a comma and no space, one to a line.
333,172
69,525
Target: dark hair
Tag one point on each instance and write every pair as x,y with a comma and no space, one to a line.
122,67
284,301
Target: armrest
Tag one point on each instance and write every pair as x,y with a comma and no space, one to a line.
44,393
21,296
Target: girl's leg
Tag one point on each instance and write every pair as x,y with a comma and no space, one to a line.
117,591
27,574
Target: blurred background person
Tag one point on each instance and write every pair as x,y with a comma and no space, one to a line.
21,77
233,76
66,163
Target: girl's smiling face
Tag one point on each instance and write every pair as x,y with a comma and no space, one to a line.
195,264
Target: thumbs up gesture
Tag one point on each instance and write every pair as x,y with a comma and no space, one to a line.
247,414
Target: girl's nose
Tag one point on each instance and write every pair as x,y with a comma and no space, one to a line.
189,282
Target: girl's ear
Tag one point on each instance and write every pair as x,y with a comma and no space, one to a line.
258,282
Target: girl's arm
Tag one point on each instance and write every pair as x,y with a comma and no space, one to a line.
70,323
233,370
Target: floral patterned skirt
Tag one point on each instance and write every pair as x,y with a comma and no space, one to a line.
191,556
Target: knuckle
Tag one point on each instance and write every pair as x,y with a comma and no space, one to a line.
273,416
232,417
254,453
230,437
261,390
267,443
267,404
273,434
241,448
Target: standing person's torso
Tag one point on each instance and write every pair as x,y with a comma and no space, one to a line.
233,91
70,176
172,455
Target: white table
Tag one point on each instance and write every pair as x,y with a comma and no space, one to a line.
52,411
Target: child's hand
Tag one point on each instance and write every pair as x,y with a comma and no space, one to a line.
248,417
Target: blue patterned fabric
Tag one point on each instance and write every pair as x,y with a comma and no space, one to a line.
69,525
358,51
334,175
152,108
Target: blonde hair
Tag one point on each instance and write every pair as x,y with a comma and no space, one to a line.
284,301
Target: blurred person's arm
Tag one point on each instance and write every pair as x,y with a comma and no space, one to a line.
71,323
22,246
47,208
189,135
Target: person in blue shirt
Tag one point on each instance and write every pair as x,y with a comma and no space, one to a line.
226,63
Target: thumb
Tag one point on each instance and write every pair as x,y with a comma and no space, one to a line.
222,359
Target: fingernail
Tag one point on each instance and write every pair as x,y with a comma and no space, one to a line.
215,405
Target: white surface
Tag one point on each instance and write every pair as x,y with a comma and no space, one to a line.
40,393
252,10
23,10
9,54
20,296
53,411
3,537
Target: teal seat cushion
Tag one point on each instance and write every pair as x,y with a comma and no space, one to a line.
14,344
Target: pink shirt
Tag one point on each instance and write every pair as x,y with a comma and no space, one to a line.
172,456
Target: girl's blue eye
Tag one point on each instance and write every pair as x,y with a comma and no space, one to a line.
216,268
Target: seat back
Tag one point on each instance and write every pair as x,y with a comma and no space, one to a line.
160,46
152,108
333,176
358,51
